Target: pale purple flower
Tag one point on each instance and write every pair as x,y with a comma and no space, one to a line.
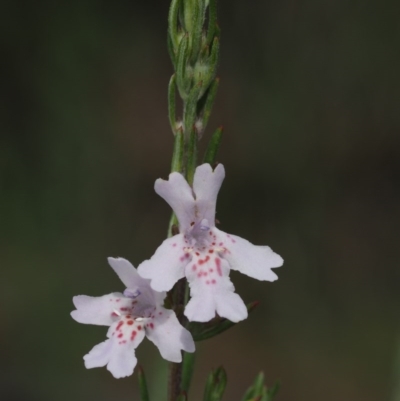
136,313
202,253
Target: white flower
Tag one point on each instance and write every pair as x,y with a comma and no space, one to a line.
136,313
202,253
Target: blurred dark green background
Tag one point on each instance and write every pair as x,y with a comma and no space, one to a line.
309,99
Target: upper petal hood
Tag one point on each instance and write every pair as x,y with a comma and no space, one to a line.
178,194
206,185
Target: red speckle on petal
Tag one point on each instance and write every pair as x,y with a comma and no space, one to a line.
202,261
183,257
207,282
221,243
151,325
194,267
197,254
160,313
123,309
213,243
120,335
117,300
210,233
130,322
218,265
139,328
213,281
211,251
119,325
133,335
114,314
210,270
173,245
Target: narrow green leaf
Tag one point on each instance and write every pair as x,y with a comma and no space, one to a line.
191,107
212,20
171,51
189,9
212,63
209,101
219,384
172,104
181,62
259,383
215,385
144,394
208,387
187,370
258,390
198,21
204,52
203,331
173,22
210,155
273,391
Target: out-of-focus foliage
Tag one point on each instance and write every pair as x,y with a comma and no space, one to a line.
308,96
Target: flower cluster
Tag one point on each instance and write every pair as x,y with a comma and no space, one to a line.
201,253
131,315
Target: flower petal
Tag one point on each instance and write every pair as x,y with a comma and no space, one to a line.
167,265
127,273
99,355
212,291
169,336
101,311
135,283
253,260
118,352
178,194
206,185
231,306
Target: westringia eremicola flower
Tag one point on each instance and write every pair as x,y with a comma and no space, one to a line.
136,313
202,253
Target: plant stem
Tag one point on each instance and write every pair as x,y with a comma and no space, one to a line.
174,380
194,50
